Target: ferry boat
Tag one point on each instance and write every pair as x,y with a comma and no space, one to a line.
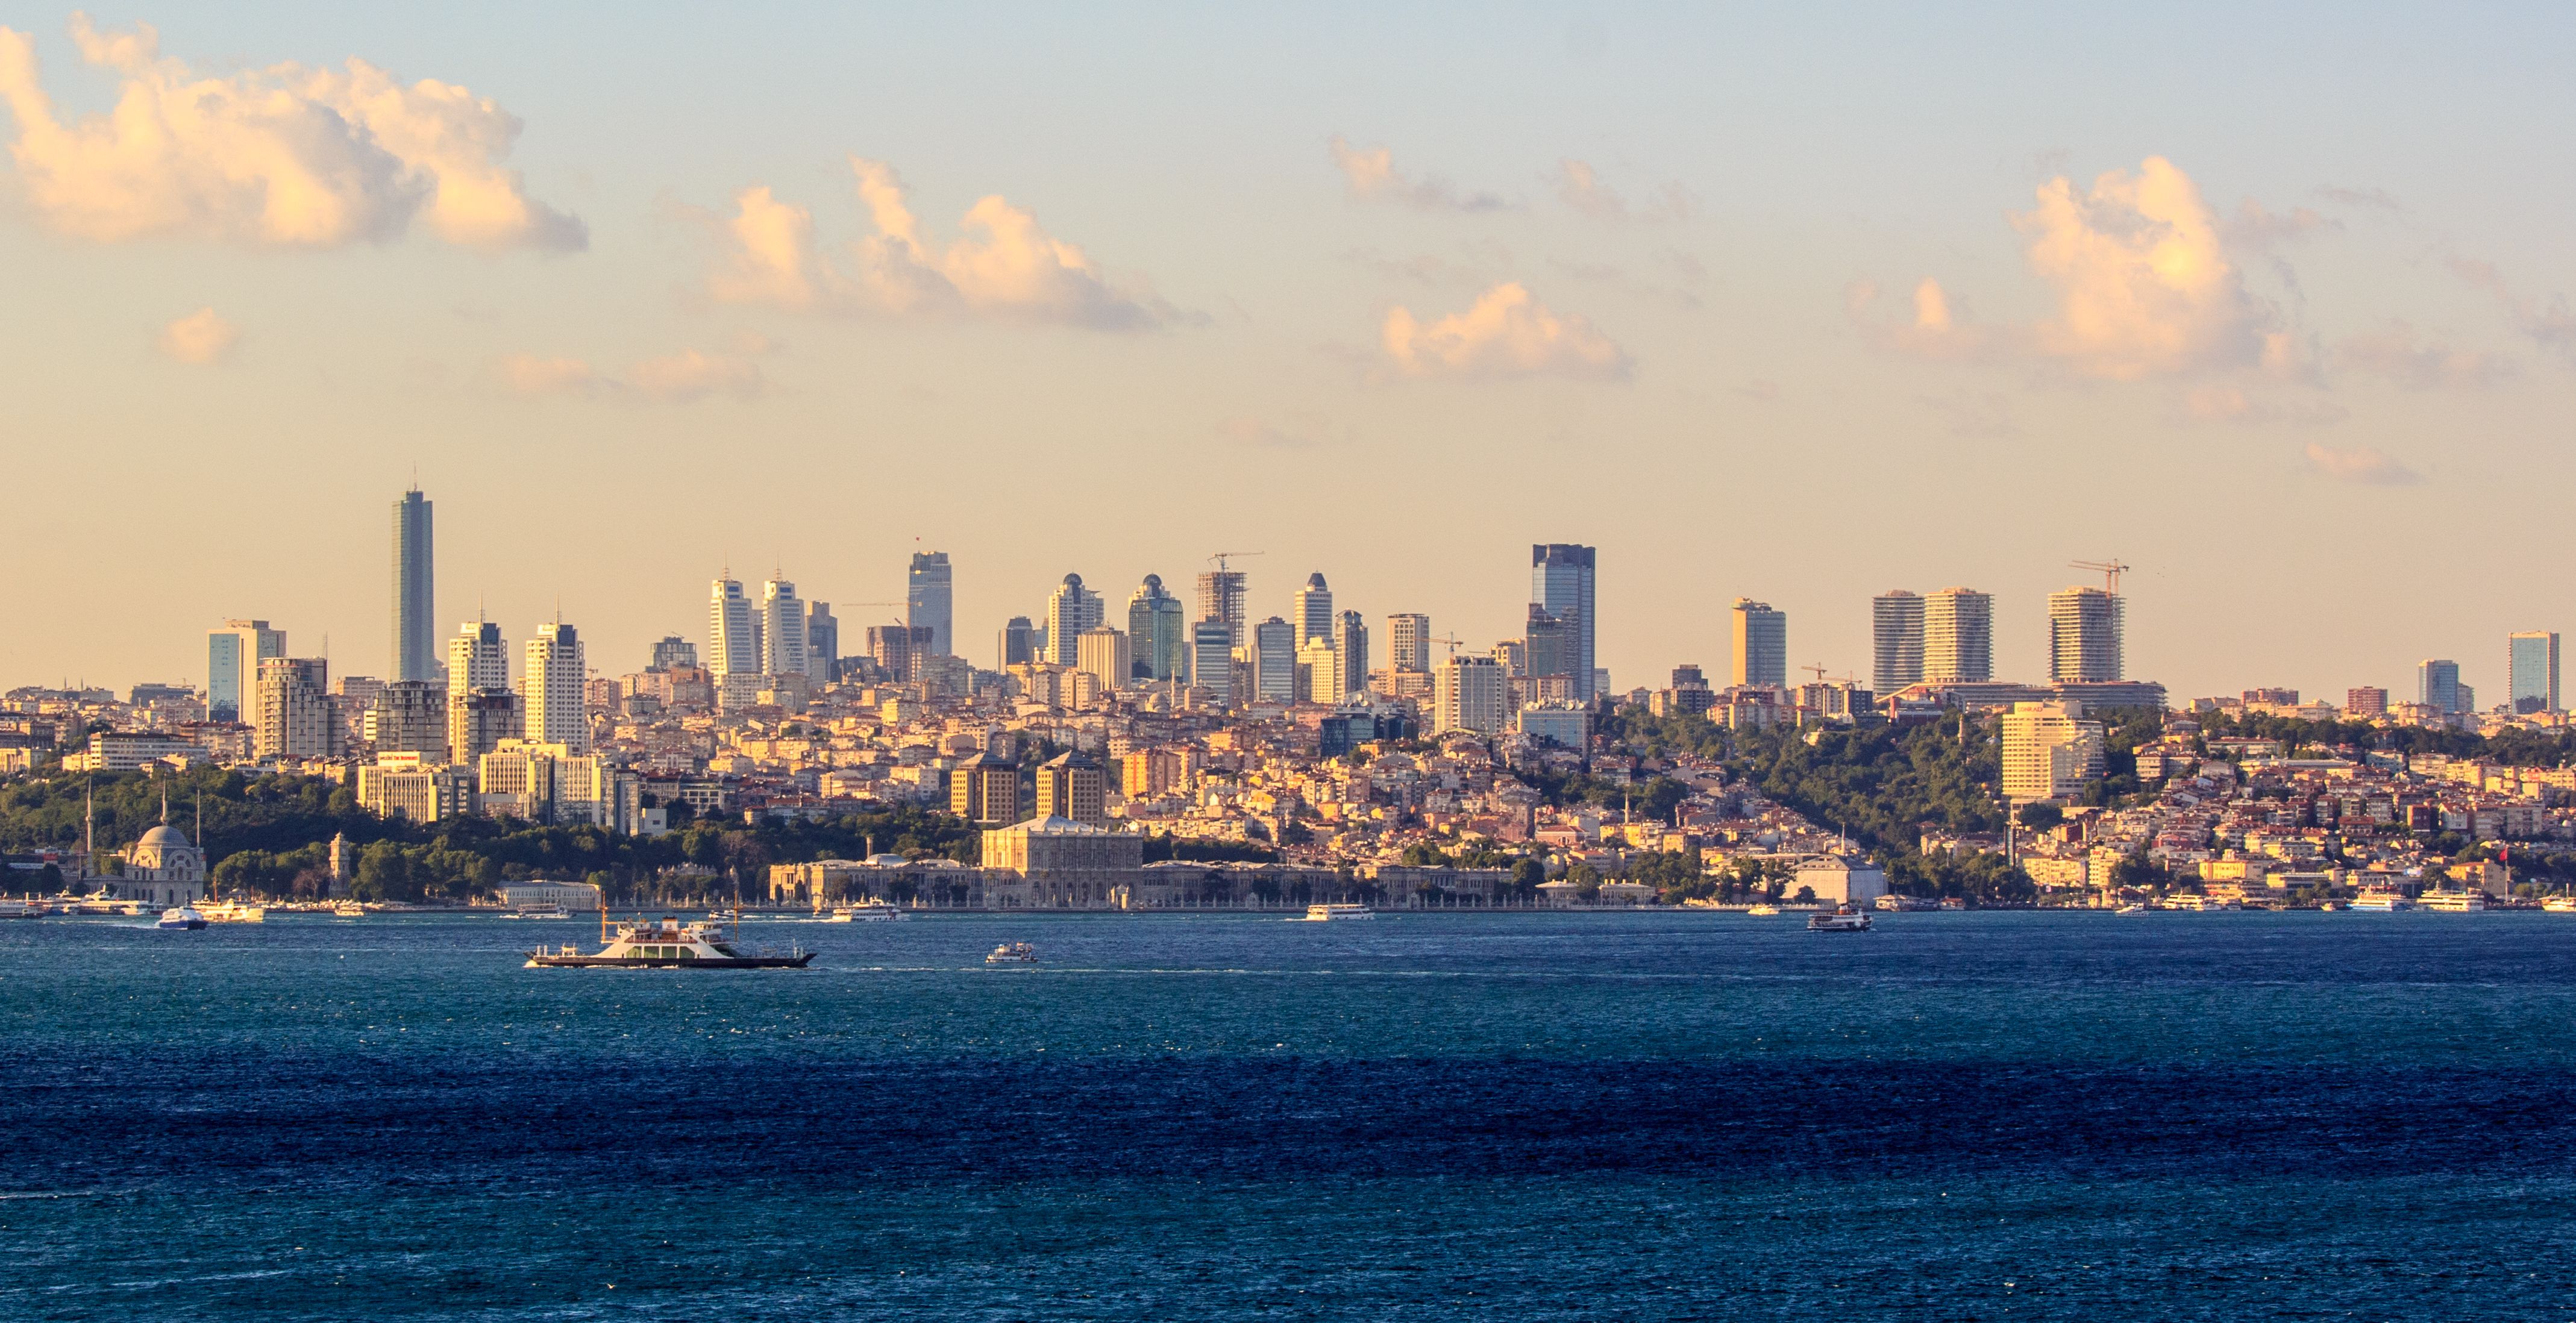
1332,913
348,909
2187,901
181,917
665,944
2453,902
2382,902
1765,909
22,909
234,911
2559,905
1013,953
1840,919
874,911
1892,902
548,911
2131,908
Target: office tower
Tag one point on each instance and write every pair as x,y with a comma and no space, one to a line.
901,651
2050,752
551,688
927,601
476,658
1320,669
1158,631
479,719
2531,671
1350,641
2365,702
782,630
674,653
1513,656
1071,610
1896,640
2083,636
410,716
1274,661
296,717
1311,611
733,631
1102,652
1212,660
2437,685
1548,646
1073,785
1221,600
1761,644
985,788
1408,642
1017,645
233,655
415,591
1467,693
1561,583
822,642
1958,636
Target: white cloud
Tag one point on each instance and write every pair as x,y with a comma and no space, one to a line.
2394,353
2552,326
1370,174
2254,227
1506,334
2231,404
1579,186
1003,264
675,378
2144,287
288,156
2360,464
201,337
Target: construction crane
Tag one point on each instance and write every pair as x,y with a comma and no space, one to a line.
1818,667
2110,570
1452,640
1220,557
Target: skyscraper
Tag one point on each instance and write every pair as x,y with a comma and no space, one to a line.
1350,642
927,601
233,655
482,710
2531,671
1221,600
1017,645
1468,693
733,631
1158,632
296,717
901,651
822,641
410,716
1103,653
415,591
1896,640
782,630
551,689
1959,636
1561,583
1761,644
476,658
2083,636
1212,660
2437,685
1274,661
1071,610
1408,642
1312,609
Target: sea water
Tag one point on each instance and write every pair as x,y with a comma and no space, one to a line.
1223,1115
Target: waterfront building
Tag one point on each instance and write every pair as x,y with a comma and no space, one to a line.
1158,632
928,601
1958,637
1468,693
552,689
1896,640
1071,610
2084,626
1274,661
2437,685
1408,642
1017,644
1102,653
233,656
822,642
1221,598
2050,753
1761,645
2531,671
1212,661
1562,585
163,868
297,717
1311,611
733,631
415,591
782,630
1075,786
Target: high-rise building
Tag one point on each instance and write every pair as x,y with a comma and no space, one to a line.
1221,599
476,658
822,641
1761,644
782,630
733,631
1321,668
901,651
1212,660
1274,661
985,788
1350,641
2437,685
1468,693
1408,642
410,716
552,689
2368,701
674,653
1071,610
1102,653
2050,752
2084,636
479,719
2531,671
928,601
1158,631
1896,640
296,715
1017,645
415,591
1958,636
1561,584
1073,785
233,656
1311,611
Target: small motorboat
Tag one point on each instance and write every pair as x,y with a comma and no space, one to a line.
1012,953
181,917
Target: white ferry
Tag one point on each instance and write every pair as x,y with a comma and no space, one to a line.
547,911
2131,908
234,911
2559,905
1840,919
2381,902
1765,909
1334,913
874,911
2453,902
1012,953
665,944
2187,901
181,917
22,909
1892,902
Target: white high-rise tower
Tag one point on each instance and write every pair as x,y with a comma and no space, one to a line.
733,631
783,649
551,689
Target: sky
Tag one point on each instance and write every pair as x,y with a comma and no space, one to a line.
1800,303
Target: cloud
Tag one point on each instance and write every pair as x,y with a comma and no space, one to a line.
1579,186
1506,334
2376,199
2361,464
2230,404
1002,265
202,337
286,156
2144,287
675,378
1935,330
2254,227
1371,175
2552,327
2393,353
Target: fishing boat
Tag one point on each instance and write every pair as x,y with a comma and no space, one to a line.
1012,953
179,917
1842,918
1334,913
666,943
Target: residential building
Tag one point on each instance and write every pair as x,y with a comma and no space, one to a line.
2084,627
479,720
2531,671
1408,642
1761,644
477,659
414,788
733,631
1073,785
985,788
1274,661
551,689
297,717
1071,610
782,630
822,642
1158,632
1311,610
1212,660
233,656
1562,584
2050,753
1147,773
674,653
1565,724
1468,693
410,716
1321,666
901,651
415,591
1221,598
1017,645
1896,640
1958,637
2437,685
2365,702
928,601
1102,653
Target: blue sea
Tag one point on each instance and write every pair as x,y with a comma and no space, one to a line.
1228,1116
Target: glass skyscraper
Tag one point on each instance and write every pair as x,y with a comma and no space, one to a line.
415,627
2531,671
1561,586
928,603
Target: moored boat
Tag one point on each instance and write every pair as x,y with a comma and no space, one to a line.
2453,902
2380,901
666,944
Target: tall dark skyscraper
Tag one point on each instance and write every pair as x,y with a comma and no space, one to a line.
415,591
928,601
1561,586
